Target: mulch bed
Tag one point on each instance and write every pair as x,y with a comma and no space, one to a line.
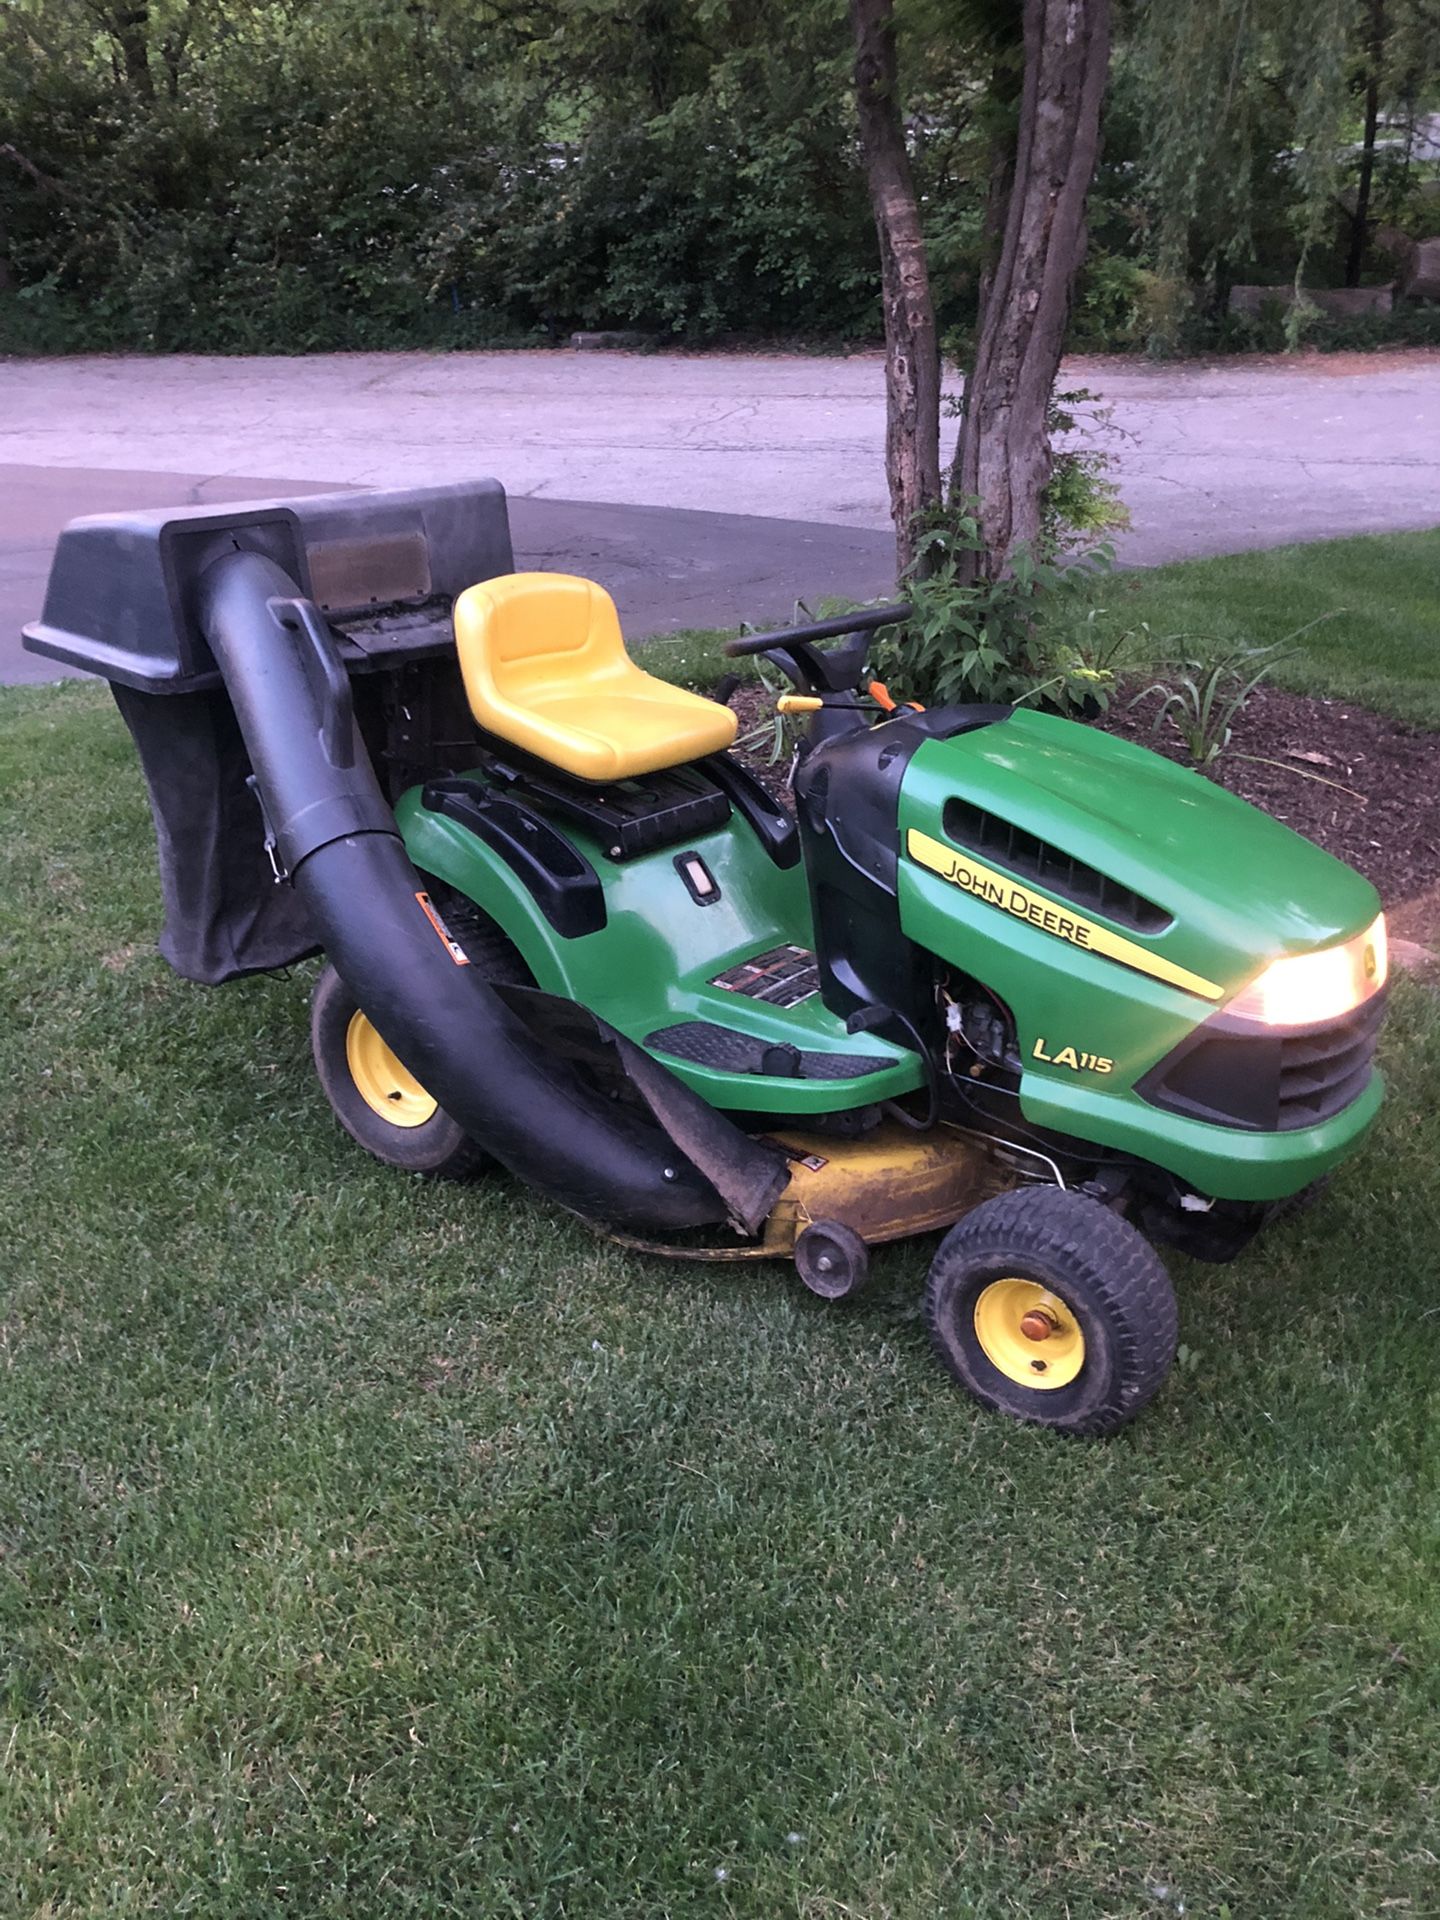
1365,788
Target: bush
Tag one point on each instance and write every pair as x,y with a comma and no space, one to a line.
1270,331
991,640
373,174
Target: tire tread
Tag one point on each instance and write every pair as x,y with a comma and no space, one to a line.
1130,1287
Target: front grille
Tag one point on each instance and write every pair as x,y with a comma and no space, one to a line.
1323,1071
1050,867
1268,1081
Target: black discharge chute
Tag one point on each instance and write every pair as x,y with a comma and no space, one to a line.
336,838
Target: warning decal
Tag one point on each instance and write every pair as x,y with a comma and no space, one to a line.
452,945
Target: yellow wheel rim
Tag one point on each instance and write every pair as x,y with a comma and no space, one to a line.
1029,1334
384,1083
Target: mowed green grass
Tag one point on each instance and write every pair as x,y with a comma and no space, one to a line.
1362,615
373,1548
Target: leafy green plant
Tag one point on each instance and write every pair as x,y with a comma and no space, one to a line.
1203,703
984,640
327,187
1080,501
1090,659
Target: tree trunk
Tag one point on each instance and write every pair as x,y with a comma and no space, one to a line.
1000,179
129,25
912,353
1002,459
1360,219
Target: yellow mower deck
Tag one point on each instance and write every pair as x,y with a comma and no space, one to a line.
890,1184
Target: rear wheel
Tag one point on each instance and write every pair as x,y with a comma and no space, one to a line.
375,1097
1047,1306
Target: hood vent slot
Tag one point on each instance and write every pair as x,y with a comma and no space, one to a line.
991,838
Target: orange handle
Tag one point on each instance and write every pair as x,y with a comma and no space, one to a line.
880,694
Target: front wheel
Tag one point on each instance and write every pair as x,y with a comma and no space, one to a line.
1047,1306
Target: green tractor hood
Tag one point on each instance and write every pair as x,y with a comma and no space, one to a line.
1116,904
1048,800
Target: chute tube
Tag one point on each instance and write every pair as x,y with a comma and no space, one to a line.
338,841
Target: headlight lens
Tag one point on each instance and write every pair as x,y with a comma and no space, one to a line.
1311,987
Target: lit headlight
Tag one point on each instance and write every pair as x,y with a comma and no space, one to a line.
1310,987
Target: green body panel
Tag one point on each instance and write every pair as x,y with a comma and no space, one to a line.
1243,890
653,963
1225,1162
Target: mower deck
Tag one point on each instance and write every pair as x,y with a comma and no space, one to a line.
892,1183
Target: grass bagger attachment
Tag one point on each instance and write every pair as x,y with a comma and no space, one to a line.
1000,974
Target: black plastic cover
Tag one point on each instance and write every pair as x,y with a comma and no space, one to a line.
628,817
772,826
848,806
558,877
384,567
731,1051
1275,1080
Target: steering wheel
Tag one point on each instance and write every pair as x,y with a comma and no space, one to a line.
821,670
782,639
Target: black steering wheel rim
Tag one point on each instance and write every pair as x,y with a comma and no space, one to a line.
782,639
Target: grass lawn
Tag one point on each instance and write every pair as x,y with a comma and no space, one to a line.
369,1548
1370,608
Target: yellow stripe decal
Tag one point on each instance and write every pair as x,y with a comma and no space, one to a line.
999,890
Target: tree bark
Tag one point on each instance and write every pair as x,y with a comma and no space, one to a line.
1002,458
1360,219
128,24
912,353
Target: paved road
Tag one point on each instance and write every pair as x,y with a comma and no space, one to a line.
1211,458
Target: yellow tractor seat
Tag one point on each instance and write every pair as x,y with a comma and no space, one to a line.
545,668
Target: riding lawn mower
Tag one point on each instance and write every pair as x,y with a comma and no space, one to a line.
998,975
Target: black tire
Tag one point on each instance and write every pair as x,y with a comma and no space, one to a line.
832,1259
439,1147
1083,1258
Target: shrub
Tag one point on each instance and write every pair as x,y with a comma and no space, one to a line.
991,640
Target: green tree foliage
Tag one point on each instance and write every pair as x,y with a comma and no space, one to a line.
202,173
294,174
1248,118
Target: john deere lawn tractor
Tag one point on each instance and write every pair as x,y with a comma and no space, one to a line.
999,975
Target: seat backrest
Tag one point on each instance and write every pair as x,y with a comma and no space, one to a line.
545,668
528,634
